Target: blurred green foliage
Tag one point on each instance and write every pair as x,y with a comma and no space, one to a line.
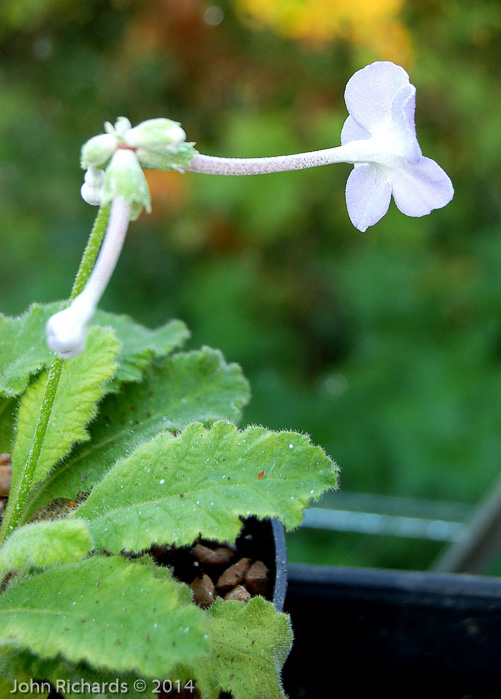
384,346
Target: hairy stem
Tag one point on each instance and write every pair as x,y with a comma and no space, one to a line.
211,165
22,483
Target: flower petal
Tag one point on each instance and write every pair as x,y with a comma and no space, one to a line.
368,194
352,131
403,124
421,187
370,93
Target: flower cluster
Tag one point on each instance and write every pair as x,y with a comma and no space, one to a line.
114,161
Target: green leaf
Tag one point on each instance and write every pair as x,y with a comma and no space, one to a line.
82,384
13,668
139,344
109,612
174,489
24,352
249,645
197,386
45,544
67,678
8,410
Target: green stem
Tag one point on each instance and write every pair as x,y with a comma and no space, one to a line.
91,251
22,484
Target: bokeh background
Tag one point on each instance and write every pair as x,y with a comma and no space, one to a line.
385,346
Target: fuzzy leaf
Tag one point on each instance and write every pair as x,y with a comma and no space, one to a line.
24,352
13,669
45,544
8,410
174,489
140,344
68,678
249,645
106,611
197,386
82,384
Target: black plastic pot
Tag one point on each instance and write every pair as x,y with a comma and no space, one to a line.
397,634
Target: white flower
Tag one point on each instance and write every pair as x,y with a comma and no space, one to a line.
379,137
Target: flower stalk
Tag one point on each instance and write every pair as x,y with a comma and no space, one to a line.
22,484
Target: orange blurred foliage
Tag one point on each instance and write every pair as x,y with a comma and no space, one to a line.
372,24
169,191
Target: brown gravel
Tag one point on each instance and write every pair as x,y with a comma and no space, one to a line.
219,556
234,575
5,474
204,592
239,593
257,579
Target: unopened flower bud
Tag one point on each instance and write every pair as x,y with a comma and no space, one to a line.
67,330
122,124
160,144
92,187
98,150
156,134
124,178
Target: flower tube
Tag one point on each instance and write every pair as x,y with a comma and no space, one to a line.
379,138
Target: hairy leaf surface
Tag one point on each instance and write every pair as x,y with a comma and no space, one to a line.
45,544
249,645
174,489
109,612
139,344
82,383
24,351
8,408
197,386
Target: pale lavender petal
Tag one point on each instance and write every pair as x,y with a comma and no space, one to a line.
403,125
418,188
352,131
368,194
370,93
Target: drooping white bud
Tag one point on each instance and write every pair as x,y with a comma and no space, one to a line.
92,188
67,330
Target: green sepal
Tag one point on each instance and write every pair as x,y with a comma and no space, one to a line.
163,159
125,178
